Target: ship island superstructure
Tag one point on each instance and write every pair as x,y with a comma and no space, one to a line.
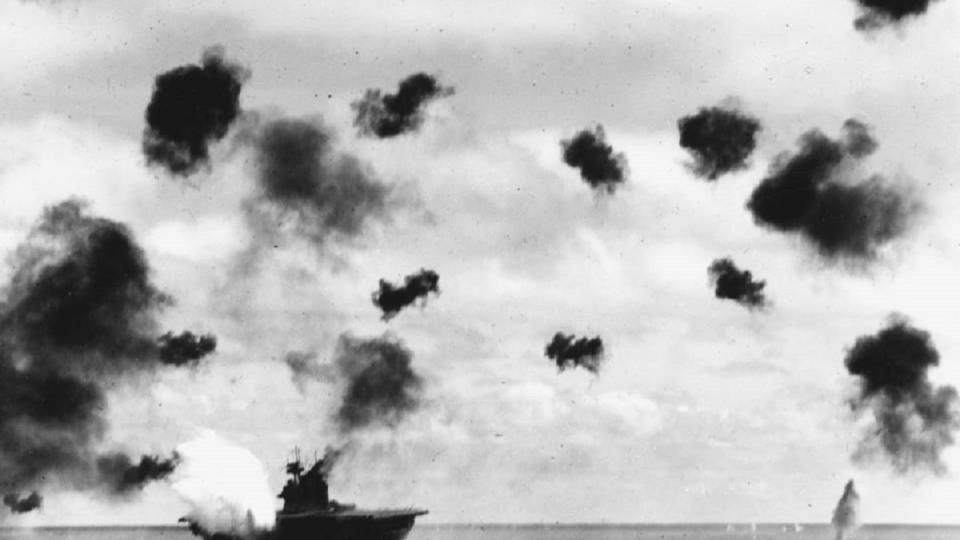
308,513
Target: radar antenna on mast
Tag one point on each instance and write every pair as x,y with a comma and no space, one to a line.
295,467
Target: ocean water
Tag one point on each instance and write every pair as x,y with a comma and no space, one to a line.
539,532
676,532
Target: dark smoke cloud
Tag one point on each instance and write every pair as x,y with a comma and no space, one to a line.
81,293
599,166
731,283
875,14
322,193
185,348
332,456
78,316
380,385
19,505
845,518
122,476
389,115
392,298
810,193
719,139
569,352
913,420
191,107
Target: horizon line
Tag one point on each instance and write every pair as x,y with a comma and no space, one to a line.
523,524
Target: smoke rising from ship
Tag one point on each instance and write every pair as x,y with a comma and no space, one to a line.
381,387
731,283
811,193
191,107
569,352
720,140
845,516
332,456
913,420
391,299
389,115
599,166
78,316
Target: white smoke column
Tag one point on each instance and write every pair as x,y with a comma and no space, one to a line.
845,514
225,485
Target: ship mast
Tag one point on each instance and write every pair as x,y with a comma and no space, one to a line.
295,467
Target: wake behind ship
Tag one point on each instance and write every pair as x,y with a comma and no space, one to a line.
309,514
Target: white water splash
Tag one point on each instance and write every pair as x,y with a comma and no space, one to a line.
225,485
845,519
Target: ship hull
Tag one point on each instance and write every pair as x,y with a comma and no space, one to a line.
334,527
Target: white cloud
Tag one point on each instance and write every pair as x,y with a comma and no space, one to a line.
208,239
50,159
41,37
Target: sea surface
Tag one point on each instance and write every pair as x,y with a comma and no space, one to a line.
542,532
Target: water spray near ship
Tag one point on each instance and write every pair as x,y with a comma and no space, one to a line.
845,515
308,512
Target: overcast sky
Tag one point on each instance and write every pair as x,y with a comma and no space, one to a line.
703,410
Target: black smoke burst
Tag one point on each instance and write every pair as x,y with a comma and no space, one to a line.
719,139
731,283
388,115
913,420
22,505
600,167
392,298
569,352
191,107
876,14
811,193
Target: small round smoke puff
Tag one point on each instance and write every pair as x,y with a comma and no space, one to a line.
719,139
569,352
600,167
